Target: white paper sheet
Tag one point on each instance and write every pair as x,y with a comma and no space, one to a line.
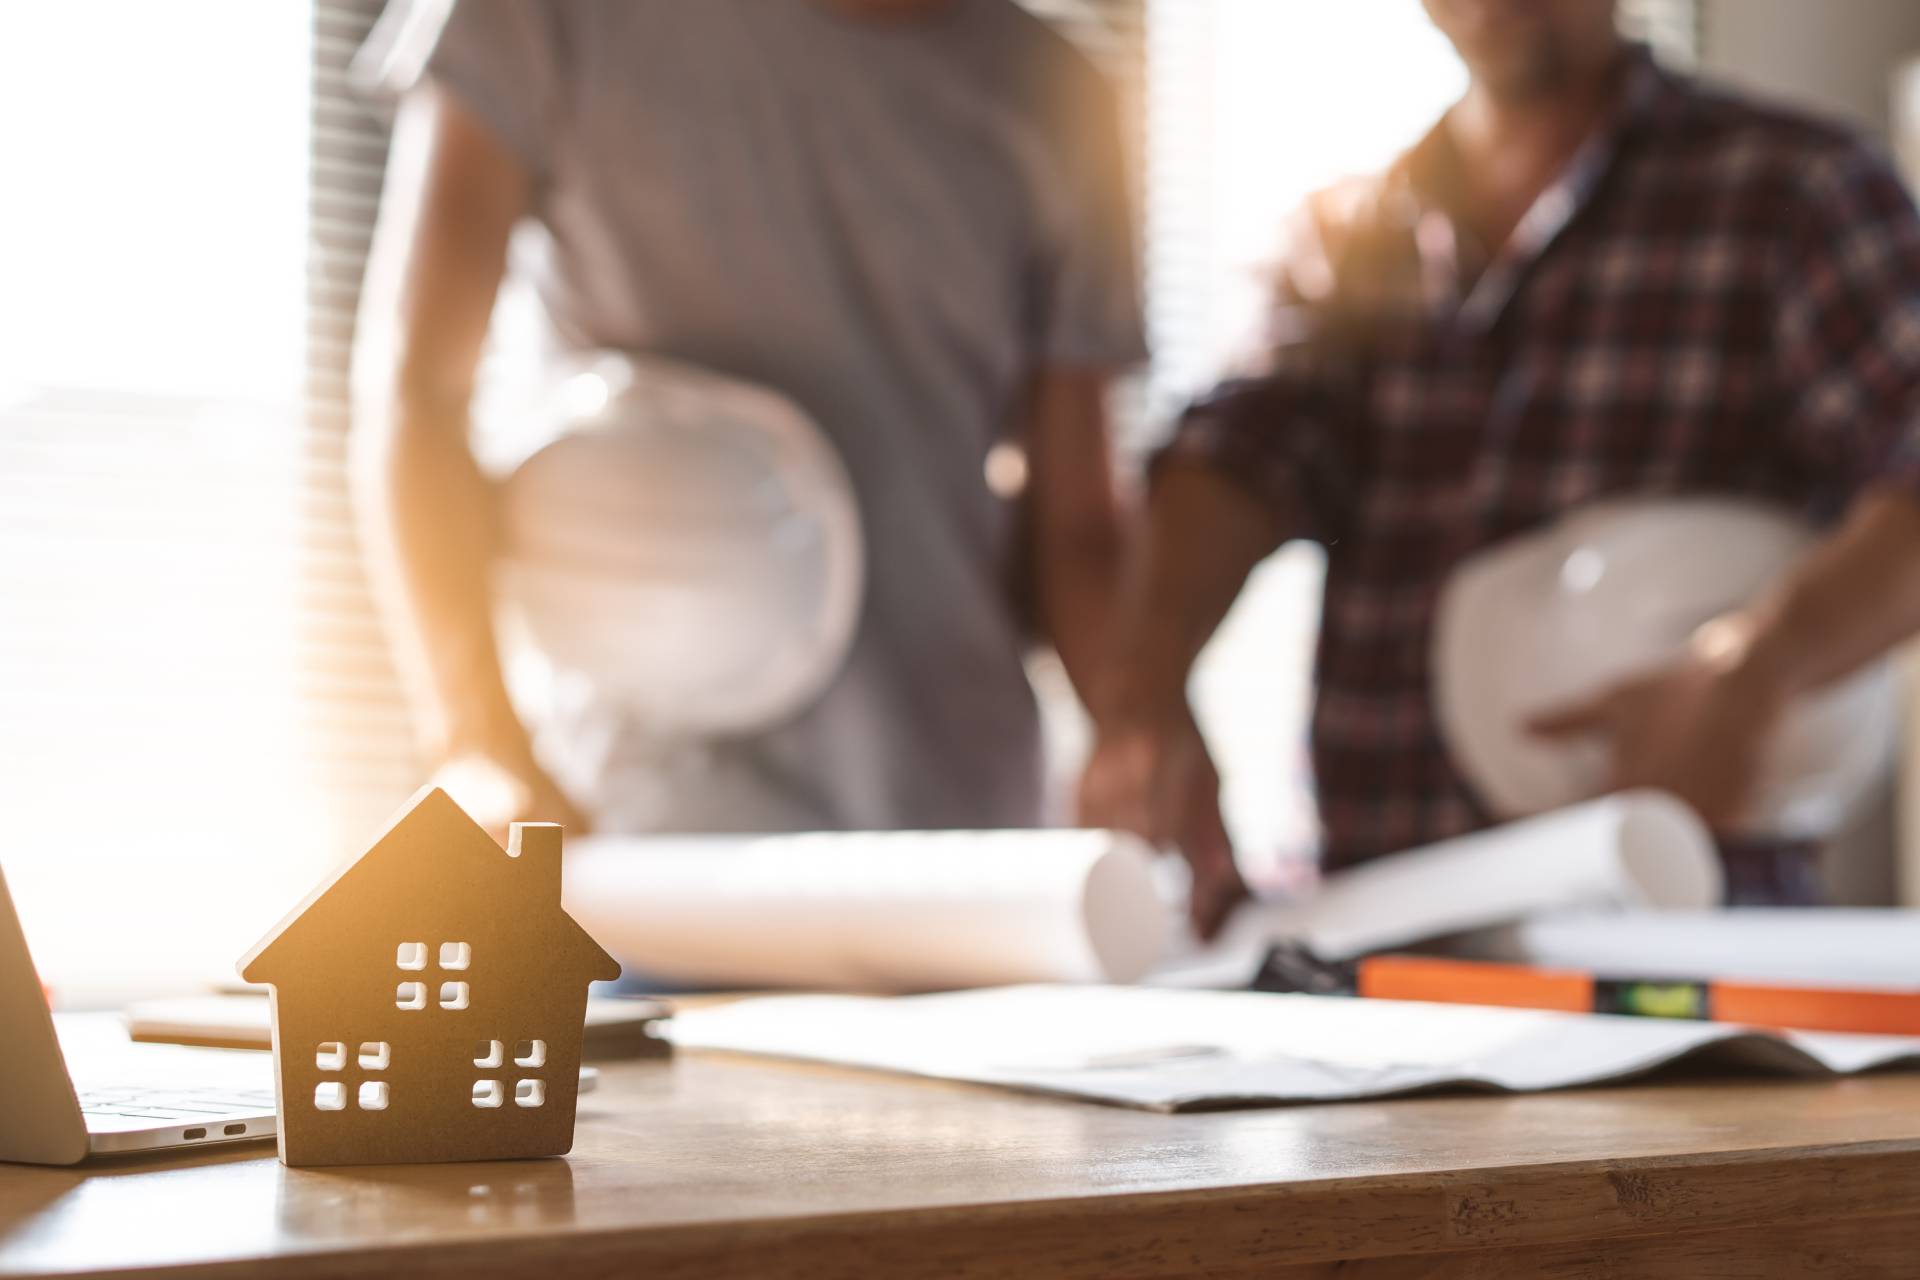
1187,1050
1859,947
894,911
1633,850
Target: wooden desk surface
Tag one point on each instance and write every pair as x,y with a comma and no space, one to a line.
711,1166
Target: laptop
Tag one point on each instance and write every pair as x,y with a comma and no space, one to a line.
120,1097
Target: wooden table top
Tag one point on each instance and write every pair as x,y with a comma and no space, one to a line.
713,1165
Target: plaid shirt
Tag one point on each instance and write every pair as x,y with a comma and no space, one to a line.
1712,298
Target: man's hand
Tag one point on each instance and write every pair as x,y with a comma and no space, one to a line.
1697,727
1155,779
497,794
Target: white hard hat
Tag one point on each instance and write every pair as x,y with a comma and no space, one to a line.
686,547
1613,590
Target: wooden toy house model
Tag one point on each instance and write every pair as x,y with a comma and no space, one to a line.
429,1000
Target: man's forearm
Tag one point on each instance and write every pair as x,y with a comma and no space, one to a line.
1080,525
429,519
1850,600
454,193
1079,582
1205,534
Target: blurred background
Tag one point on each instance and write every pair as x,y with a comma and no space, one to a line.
197,713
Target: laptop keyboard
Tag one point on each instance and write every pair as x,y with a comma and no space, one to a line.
175,1104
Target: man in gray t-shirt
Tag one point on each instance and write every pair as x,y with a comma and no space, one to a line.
908,216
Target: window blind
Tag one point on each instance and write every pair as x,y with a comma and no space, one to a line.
364,748
151,544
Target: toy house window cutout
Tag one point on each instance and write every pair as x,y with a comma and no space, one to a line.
530,1093
330,1056
488,1093
411,995
373,1095
411,955
331,1096
454,995
375,1055
455,955
489,1054
530,1053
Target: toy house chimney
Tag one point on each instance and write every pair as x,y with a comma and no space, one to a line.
537,844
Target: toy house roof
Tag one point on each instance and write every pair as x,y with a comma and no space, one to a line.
433,853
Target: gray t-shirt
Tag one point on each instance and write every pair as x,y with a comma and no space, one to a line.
894,221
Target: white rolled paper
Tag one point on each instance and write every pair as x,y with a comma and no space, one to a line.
879,912
1633,849
1805,946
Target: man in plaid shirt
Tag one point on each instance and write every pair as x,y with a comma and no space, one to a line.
1590,279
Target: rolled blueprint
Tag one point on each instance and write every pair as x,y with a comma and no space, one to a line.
1807,946
1634,849
879,912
